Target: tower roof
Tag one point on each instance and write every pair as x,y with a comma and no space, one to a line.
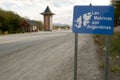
47,11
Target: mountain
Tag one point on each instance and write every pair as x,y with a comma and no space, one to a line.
59,24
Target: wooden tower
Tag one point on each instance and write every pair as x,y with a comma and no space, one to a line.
47,19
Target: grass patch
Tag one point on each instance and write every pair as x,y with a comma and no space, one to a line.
114,43
114,55
115,69
101,65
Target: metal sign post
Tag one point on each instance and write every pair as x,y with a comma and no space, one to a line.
107,57
75,56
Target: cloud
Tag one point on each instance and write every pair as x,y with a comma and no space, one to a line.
62,8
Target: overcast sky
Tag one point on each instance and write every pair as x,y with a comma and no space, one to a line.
62,8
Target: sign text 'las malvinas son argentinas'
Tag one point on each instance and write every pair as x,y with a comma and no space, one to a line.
93,19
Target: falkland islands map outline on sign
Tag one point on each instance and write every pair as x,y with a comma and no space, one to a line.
86,20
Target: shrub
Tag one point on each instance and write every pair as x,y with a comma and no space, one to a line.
6,33
0,32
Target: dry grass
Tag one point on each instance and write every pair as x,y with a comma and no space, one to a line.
114,53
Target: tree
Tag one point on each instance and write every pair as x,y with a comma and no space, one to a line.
40,25
9,21
116,4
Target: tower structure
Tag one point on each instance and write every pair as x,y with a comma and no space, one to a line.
47,19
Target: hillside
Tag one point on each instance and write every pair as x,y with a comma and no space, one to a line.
9,22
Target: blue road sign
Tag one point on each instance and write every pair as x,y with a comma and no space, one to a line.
93,19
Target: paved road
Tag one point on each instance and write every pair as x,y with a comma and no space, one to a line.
47,56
